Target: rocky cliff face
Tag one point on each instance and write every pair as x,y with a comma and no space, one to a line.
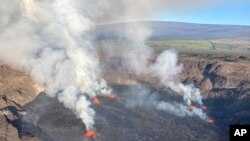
216,77
16,90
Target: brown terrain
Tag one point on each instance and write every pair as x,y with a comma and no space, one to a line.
218,76
224,82
16,90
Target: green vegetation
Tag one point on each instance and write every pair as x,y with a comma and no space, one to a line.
182,44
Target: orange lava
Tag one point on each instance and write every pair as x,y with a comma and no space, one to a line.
96,101
111,97
90,134
203,107
210,121
191,107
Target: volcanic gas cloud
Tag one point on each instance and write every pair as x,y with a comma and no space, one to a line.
49,40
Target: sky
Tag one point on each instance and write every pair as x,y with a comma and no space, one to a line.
227,13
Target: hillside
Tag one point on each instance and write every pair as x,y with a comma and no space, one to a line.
162,30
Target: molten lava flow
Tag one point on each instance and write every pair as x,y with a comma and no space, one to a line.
210,121
112,97
90,134
96,101
203,107
191,107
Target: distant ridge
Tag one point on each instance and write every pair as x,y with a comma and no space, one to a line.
163,30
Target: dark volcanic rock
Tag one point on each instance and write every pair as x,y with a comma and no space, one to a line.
114,122
225,85
49,120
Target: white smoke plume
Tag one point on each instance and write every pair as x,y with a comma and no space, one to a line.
167,69
136,57
49,41
28,9
143,96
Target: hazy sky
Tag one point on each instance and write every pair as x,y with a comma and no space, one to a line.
227,13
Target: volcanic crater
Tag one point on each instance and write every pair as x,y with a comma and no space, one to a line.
44,118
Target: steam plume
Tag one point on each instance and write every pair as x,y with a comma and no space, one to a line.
136,57
55,50
167,69
143,96
28,9
51,43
